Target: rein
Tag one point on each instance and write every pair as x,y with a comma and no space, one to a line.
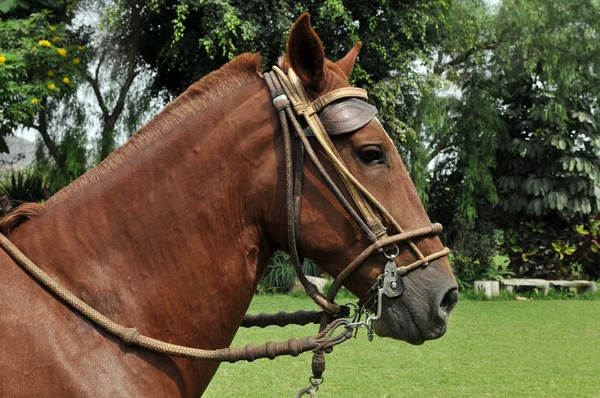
346,109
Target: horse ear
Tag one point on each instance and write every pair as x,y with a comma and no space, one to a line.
346,64
306,54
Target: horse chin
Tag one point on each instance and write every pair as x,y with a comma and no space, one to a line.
404,322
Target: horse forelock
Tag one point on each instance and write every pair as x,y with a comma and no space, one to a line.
241,71
26,211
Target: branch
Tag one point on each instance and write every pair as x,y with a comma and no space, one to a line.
111,120
94,82
441,146
440,68
48,141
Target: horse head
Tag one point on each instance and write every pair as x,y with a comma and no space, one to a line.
331,237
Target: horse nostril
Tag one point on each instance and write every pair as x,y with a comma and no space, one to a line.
449,301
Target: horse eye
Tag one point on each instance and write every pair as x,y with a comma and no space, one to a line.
372,154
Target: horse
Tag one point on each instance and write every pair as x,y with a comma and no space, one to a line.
172,232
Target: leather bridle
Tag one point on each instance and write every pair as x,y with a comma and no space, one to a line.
340,111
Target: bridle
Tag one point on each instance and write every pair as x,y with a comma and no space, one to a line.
340,111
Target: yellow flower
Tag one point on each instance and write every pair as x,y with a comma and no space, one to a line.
44,43
62,52
81,47
66,80
55,39
2,59
34,101
52,28
51,86
50,73
76,61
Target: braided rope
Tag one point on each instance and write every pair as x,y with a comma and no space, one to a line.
130,336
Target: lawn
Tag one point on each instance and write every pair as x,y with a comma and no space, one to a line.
492,349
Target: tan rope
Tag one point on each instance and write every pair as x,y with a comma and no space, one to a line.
130,336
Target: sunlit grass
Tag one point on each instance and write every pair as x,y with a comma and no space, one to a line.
492,349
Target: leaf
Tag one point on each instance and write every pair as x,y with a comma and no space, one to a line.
581,230
7,5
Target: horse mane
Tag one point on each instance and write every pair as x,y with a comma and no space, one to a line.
25,212
242,70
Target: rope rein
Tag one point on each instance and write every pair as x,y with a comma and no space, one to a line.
130,336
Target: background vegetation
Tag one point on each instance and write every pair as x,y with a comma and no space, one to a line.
493,104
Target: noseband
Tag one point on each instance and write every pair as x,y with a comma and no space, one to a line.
340,111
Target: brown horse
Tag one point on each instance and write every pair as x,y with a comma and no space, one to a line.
172,232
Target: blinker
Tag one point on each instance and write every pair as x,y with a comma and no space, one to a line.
345,116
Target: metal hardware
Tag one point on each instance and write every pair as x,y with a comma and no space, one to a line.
316,381
391,255
390,285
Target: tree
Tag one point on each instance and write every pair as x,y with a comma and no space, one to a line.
114,67
40,64
45,80
186,40
524,133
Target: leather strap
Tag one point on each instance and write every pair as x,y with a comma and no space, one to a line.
298,175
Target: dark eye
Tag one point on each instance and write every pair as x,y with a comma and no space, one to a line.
372,154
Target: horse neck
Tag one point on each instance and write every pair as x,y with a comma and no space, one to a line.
172,242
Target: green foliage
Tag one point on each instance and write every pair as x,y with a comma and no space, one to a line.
72,152
279,276
465,269
473,242
548,160
557,249
19,9
186,40
518,88
38,60
24,186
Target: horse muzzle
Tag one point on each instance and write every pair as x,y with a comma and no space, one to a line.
421,312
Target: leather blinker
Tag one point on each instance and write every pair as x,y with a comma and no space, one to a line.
345,116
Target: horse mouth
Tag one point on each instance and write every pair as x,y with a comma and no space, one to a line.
401,322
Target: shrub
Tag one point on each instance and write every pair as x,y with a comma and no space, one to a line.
554,248
472,239
23,186
279,275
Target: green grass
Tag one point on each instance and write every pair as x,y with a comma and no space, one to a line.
492,349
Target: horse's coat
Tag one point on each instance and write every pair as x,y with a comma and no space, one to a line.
172,233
